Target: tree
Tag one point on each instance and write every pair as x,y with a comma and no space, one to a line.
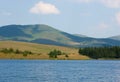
54,53
17,51
101,52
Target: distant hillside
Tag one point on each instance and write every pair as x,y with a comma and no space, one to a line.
34,33
45,34
40,51
80,35
115,37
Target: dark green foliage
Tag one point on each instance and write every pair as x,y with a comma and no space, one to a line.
17,51
54,53
5,50
11,50
101,52
25,53
66,56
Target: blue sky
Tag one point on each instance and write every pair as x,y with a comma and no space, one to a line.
94,18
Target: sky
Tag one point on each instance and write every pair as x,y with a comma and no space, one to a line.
94,18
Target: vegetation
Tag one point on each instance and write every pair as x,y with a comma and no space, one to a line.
54,53
45,34
101,52
11,50
66,56
40,51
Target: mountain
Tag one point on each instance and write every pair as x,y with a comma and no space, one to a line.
115,37
80,35
34,33
45,34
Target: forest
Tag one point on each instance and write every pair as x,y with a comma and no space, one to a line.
101,52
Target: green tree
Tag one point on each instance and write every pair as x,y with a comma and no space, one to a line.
101,52
54,53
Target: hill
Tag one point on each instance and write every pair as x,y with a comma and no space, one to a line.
40,51
115,37
45,34
80,35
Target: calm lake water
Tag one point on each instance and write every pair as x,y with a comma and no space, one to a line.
59,71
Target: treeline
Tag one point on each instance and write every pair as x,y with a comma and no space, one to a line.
11,50
101,52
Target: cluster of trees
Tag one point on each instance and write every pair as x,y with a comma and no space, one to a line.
11,50
54,53
101,52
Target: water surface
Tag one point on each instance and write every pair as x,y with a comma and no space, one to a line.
59,71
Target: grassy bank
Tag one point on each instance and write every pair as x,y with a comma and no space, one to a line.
40,51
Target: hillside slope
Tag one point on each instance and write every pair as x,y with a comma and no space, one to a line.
40,51
115,37
45,34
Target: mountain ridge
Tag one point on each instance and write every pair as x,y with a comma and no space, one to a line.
115,37
41,33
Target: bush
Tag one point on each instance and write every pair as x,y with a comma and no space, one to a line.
25,53
17,51
11,50
6,51
54,53
66,56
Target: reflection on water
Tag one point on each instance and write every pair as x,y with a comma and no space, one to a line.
59,71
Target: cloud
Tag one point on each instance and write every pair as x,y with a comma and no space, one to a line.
117,16
111,3
44,8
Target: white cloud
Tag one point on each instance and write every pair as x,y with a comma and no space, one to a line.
111,3
117,16
44,8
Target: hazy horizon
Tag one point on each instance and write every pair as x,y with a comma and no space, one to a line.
93,18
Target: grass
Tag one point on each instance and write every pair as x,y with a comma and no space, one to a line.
40,51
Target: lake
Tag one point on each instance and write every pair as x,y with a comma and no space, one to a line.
59,71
